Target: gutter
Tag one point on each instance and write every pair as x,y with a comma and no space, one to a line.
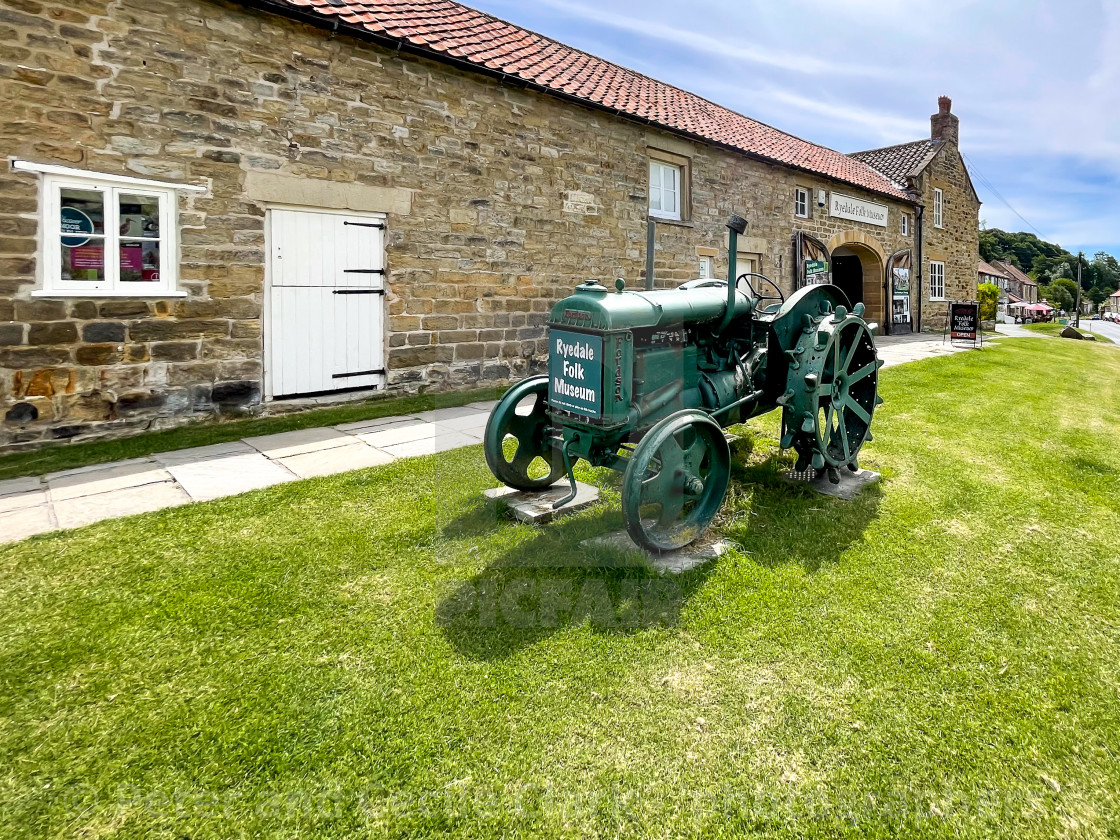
285,9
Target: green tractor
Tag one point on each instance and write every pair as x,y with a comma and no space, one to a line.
645,382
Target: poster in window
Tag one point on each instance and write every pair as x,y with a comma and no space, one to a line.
86,256
901,280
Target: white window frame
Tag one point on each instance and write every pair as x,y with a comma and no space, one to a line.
801,202
661,168
53,180
905,224
936,280
707,267
938,207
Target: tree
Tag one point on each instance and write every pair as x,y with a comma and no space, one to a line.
1020,249
1107,270
989,300
1062,293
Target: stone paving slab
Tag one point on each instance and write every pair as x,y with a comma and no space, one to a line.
369,425
204,453
299,442
442,414
536,508
671,562
228,475
19,501
400,433
353,456
486,406
137,473
25,522
83,510
439,441
851,483
466,423
12,486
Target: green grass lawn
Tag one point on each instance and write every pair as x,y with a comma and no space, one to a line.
1054,328
377,654
68,456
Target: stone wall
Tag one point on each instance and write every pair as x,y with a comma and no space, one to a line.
957,242
499,202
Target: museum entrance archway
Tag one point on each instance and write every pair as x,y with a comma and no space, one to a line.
858,271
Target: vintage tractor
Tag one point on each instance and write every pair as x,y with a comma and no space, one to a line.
645,382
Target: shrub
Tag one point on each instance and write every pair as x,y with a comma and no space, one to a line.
989,298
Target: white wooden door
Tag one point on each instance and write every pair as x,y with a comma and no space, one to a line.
326,302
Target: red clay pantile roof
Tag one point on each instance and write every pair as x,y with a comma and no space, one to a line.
1014,273
988,268
902,161
448,29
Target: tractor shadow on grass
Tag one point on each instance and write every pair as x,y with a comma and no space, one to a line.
552,581
776,522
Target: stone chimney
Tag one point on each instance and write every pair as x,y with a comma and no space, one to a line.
944,125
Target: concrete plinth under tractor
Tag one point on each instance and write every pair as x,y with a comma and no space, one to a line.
645,382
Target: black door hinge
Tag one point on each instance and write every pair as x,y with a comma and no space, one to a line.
376,372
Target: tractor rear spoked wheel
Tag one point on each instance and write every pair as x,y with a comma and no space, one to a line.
675,481
517,441
832,393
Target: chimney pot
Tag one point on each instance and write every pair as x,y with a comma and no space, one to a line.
944,104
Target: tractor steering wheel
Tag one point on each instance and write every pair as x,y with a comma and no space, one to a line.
778,296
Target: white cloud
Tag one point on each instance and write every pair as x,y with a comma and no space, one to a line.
1035,84
727,47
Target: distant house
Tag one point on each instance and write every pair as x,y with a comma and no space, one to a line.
1113,303
988,273
1020,285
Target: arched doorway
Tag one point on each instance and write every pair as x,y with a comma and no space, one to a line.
857,268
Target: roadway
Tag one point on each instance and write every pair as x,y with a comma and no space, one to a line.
1108,329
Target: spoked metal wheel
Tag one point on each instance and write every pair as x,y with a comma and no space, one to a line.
832,392
518,443
675,481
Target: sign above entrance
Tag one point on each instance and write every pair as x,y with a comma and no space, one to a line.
858,210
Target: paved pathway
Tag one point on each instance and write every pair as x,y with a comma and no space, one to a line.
77,497
899,349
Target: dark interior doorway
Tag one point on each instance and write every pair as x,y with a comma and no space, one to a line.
847,273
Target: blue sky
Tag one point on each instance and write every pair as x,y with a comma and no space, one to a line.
1036,84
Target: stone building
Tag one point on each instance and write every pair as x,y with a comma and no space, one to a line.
208,205
1020,284
988,273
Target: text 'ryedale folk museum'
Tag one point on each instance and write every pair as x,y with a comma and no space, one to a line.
207,205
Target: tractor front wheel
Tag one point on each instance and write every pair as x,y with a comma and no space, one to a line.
517,441
675,481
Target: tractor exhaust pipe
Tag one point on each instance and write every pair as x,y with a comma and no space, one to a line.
736,225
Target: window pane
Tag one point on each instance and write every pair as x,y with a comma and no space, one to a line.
670,202
140,262
82,213
84,262
139,216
